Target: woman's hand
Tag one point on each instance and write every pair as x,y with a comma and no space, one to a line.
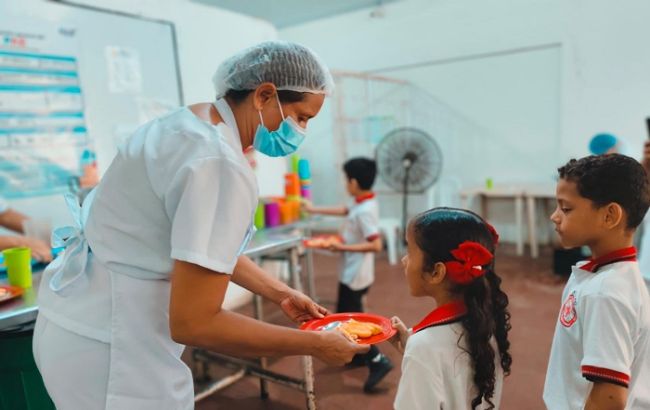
399,340
300,308
336,350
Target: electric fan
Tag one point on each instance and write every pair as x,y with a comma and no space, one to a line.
408,160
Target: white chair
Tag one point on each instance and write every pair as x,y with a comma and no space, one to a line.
391,230
446,192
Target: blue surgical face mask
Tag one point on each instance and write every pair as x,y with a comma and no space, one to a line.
281,142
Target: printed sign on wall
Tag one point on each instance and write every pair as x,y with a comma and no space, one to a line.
43,135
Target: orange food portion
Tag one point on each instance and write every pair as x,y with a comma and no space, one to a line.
355,330
323,242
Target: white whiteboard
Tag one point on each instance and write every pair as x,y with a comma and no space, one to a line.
111,112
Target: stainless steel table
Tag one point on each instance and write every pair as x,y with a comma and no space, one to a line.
22,310
304,227
284,240
265,243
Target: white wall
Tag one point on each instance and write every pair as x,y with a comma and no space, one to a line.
206,36
542,76
606,71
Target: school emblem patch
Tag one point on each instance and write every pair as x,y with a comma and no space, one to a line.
568,315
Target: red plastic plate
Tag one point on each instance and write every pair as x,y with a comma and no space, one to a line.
384,322
9,292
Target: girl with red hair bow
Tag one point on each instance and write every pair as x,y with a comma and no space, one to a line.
457,356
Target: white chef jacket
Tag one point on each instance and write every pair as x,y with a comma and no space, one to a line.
180,188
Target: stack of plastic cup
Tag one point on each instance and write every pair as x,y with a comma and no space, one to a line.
304,173
293,209
295,160
286,212
292,186
272,214
260,220
19,266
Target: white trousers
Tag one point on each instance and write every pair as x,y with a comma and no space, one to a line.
74,368
107,345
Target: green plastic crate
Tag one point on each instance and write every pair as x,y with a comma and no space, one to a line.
21,385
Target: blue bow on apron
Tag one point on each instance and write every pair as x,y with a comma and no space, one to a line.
68,270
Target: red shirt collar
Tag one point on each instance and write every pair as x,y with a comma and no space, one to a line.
621,255
365,197
442,315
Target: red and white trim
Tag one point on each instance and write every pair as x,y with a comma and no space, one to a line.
442,315
364,197
621,255
593,373
373,237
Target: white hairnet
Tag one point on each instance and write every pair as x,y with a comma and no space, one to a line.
289,66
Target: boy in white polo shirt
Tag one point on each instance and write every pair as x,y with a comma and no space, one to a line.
600,356
361,241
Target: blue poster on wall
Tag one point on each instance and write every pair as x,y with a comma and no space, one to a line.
43,133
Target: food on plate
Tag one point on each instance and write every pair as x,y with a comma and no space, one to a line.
355,330
323,241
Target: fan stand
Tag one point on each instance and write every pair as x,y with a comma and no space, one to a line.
407,162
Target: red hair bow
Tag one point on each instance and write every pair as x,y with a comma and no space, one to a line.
495,234
470,258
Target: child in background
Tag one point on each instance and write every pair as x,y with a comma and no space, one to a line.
456,357
601,347
361,240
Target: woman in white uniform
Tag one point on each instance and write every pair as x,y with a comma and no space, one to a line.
146,267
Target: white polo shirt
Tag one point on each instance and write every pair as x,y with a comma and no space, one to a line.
361,225
436,372
602,333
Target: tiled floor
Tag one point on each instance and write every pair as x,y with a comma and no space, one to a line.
534,302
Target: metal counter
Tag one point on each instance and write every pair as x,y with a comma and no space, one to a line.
24,309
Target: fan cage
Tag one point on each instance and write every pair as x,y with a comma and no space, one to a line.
393,149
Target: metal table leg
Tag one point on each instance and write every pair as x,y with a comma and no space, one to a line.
531,210
308,371
259,315
307,363
309,262
519,210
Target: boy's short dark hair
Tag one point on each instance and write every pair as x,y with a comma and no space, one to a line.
604,179
363,170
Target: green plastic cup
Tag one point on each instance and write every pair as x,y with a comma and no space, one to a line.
295,160
19,266
260,222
